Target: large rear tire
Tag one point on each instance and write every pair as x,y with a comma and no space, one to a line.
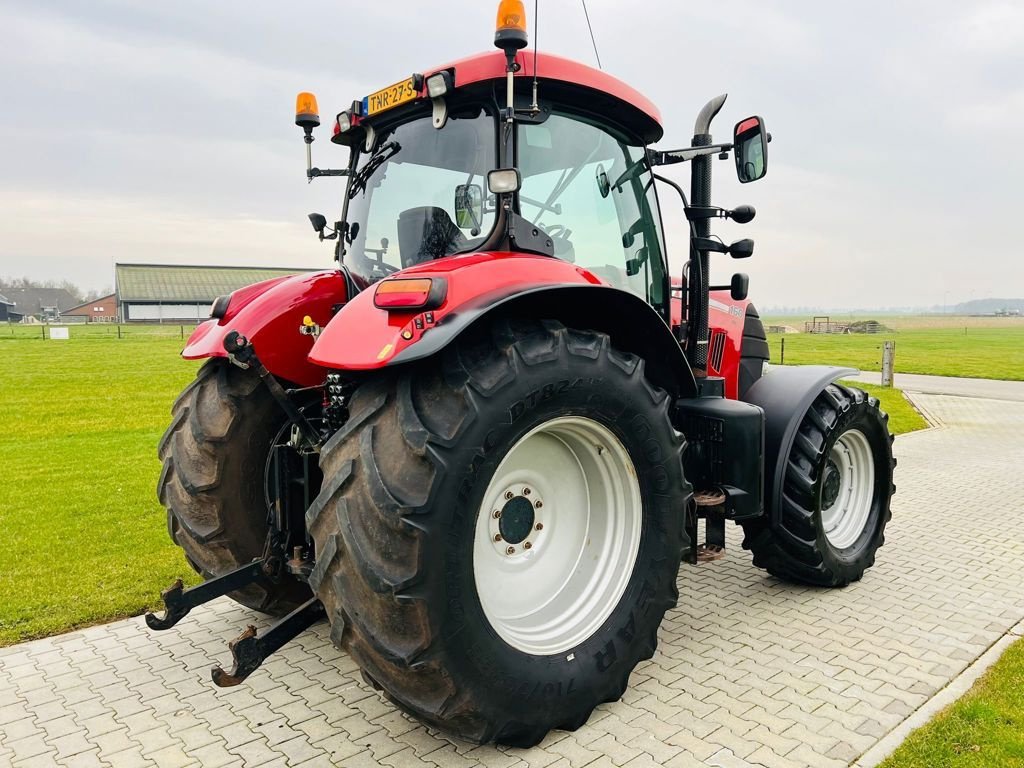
214,457
835,499
499,531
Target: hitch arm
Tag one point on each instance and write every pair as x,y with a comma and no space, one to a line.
178,601
249,651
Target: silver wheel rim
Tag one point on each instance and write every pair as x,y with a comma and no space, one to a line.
557,535
848,489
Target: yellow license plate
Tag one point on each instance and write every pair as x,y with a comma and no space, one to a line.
390,97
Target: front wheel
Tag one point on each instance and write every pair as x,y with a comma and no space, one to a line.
500,531
835,498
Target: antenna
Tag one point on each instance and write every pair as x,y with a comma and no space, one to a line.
592,40
534,107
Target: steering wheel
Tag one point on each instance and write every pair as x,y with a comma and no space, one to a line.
556,231
559,235
384,269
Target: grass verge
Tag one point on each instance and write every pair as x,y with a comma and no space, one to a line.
84,538
984,729
903,417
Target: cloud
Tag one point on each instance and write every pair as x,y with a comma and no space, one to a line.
83,237
163,131
995,28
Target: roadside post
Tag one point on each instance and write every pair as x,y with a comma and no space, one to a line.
888,362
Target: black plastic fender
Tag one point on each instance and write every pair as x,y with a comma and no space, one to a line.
785,393
633,325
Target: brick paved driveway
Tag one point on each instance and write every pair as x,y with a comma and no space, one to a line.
748,671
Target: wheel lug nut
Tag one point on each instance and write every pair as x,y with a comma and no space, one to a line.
497,514
538,503
509,495
540,526
510,551
527,491
497,537
527,545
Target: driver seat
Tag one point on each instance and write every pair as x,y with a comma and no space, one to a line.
427,233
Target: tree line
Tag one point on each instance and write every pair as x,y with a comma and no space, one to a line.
81,295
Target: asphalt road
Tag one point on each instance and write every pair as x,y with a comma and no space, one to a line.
950,385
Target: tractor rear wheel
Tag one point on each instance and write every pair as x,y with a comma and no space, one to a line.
499,532
214,457
835,500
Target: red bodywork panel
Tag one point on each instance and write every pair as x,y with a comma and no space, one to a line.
363,337
270,314
726,317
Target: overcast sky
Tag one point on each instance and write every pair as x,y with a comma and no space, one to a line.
163,132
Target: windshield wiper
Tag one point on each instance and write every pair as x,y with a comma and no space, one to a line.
376,160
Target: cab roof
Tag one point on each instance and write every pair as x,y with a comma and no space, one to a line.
563,83
589,88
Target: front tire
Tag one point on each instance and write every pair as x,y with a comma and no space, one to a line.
502,627
836,495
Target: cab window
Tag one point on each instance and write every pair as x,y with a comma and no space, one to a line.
593,194
404,198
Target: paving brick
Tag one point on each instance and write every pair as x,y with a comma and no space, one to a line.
47,760
213,755
29,746
749,669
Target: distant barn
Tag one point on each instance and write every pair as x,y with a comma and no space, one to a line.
172,293
101,310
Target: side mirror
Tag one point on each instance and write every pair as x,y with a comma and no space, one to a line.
319,222
469,206
750,146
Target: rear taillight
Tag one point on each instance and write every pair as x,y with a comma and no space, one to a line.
410,293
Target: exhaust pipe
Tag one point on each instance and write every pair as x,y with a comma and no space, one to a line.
700,196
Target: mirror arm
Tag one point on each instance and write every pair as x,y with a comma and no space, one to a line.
705,213
709,244
672,156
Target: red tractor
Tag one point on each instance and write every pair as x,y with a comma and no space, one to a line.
480,446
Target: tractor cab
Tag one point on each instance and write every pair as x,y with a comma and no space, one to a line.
521,152
436,169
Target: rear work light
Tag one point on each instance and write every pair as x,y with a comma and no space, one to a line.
410,293
343,124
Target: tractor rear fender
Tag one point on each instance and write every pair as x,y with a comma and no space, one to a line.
785,393
270,315
364,337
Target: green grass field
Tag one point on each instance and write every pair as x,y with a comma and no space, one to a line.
959,347
84,537
984,729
